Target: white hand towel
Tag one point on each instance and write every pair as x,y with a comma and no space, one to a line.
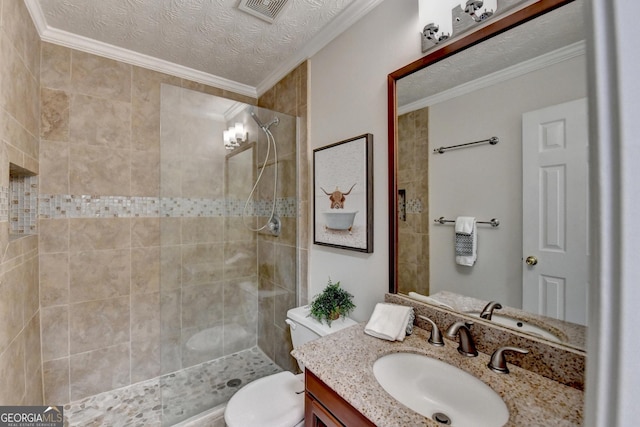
389,322
466,241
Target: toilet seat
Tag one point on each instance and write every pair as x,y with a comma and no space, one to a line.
273,401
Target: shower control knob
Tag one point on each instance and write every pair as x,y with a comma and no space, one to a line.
531,260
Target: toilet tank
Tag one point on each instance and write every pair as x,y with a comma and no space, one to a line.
305,328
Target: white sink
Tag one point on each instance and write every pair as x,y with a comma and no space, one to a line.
441,391
520,325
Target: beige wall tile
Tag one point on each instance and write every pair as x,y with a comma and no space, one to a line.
99,274
98,170
56,381
11,306
145,270
54,167
21,140
33,362
170,268
202,230
145,360
145,173
101,122
145,316
55,72
97,324
54,115
53,235
20,89
202,306
100,370
55,330
30,288
202,263
98,76
286,267
12,373
145,232
240,259
99,233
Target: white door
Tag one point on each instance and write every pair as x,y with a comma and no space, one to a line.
555,270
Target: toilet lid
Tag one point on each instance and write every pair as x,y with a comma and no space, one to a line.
268,402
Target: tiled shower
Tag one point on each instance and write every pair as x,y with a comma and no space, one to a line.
84,284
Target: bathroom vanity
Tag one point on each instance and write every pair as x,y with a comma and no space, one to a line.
325,407
341,388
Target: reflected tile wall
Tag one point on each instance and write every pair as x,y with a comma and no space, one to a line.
413,239
20,342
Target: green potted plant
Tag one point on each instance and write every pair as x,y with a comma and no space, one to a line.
332,303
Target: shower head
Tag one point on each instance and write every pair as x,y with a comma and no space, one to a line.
264,127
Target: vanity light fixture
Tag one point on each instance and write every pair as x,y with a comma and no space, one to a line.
480,10
234,136
436,17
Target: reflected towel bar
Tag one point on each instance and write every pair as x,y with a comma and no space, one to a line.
493,141
494,222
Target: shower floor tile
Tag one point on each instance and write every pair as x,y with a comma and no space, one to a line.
174,397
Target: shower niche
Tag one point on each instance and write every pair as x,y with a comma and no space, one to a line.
21,201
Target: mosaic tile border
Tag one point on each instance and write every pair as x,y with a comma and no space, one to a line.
4,204
59,206
23,205
413,206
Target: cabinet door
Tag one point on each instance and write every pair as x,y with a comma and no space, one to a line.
316,415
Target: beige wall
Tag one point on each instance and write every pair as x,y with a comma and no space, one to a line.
348,97
20,361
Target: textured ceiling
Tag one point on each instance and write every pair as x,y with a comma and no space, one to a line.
210,36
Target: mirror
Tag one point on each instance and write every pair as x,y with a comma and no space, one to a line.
494,81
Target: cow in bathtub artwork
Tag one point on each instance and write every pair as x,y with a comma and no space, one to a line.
343,194
339,220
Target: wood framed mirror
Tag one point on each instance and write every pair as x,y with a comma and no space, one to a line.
518,26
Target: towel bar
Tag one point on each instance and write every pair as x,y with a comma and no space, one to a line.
493,141
494,222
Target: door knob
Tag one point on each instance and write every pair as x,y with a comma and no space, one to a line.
531,260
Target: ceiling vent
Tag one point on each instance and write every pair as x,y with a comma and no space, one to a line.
267,10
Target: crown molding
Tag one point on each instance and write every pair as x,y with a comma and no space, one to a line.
537,63
85,44
353,13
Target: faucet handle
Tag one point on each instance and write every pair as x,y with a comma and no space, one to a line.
436,337
498,361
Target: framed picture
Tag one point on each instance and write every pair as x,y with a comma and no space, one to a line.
343,194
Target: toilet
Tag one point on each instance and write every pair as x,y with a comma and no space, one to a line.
278,400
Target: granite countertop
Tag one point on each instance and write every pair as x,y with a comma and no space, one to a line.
344,361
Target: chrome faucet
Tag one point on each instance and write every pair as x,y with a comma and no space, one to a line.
435,338
467,347
487,311
498,362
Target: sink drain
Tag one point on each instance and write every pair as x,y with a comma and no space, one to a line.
234,382
441,418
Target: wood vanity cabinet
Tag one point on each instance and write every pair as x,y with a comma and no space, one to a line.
323,407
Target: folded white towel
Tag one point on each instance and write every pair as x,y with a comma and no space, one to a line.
466,241
389,321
